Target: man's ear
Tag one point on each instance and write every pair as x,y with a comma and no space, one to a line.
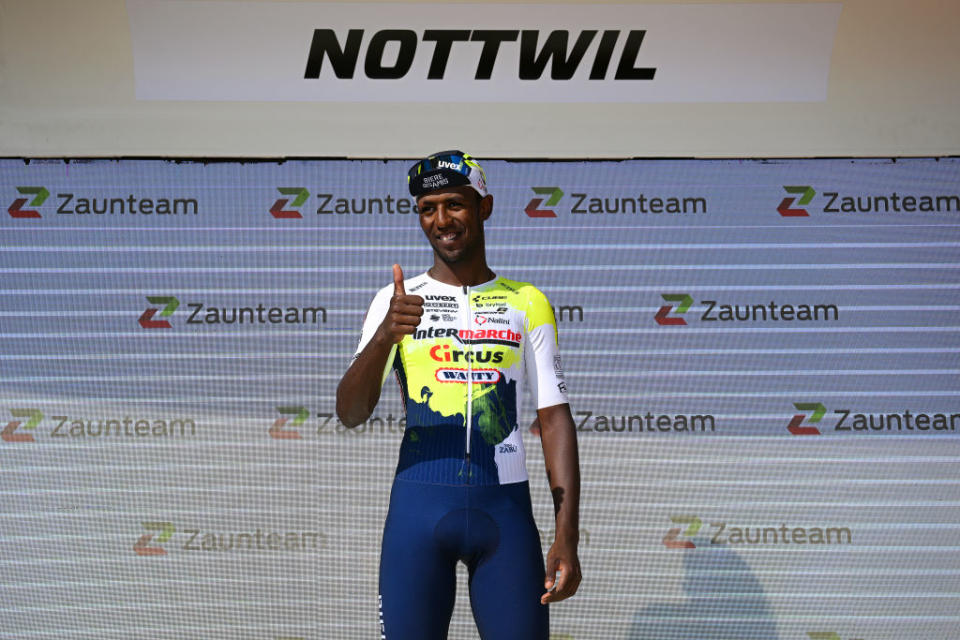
486,207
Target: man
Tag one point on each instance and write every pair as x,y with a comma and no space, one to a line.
460,348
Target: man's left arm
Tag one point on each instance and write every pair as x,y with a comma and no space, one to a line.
559,439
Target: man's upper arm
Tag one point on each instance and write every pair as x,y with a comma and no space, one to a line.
545,375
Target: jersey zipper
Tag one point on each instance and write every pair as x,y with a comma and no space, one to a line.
468,350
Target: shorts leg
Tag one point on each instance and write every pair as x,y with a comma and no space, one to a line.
506,582
417,575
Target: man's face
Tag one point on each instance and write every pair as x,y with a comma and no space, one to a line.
452,219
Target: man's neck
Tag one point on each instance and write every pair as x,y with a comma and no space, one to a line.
461,274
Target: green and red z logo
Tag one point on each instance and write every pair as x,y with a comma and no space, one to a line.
786,208
278,211
146,318
16,210
663,318
796,426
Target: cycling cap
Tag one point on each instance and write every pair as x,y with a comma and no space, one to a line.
446,169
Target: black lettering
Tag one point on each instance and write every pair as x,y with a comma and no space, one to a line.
62,207
197,307
62,420
586,416
716,538
631,49
576,205
326,417
843,417
325,199
342,59
532,64
707,317
491,39
373,65
195,533
833,198
441,51
604,52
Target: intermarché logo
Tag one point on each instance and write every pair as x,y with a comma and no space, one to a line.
721,533
206,314
199,540
278,210
16,210
847,420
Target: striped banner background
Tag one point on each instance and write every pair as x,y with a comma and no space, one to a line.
762,358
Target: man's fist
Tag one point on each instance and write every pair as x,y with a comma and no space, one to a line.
404,313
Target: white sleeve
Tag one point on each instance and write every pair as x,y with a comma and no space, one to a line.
371,321
542,357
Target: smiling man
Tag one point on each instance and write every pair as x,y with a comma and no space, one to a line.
461,348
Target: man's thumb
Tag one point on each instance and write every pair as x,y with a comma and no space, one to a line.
398,281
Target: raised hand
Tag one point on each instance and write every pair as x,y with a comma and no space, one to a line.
404,313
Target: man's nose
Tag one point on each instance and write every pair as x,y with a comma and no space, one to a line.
443,216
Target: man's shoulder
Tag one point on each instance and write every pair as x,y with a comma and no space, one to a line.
524,290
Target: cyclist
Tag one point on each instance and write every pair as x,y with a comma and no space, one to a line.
461,340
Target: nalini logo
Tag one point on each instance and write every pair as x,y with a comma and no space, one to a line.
663,317
277,430
278,210
170,305
16,210
671,540
533,207
786,208
143,546
9,433
796,426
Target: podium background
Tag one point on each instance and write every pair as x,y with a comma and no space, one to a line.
97,532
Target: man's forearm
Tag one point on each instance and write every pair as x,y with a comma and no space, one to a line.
559,439
359,389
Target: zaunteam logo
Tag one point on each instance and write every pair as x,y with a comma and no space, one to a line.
786,208
277,430
533,207
143,547
663,316
170,305
672,541
16,210
278,211
9,433
796,426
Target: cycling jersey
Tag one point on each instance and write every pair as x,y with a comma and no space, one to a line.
461,373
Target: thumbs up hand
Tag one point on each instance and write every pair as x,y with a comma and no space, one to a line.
404,313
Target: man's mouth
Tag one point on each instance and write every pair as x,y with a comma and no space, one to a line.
449,236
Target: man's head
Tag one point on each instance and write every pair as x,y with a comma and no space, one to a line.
452,201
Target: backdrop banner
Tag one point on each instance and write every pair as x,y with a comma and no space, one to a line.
761,357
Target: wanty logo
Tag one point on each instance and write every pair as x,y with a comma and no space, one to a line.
796,423
8,434
143,548
146,318
278,431
278,211
693,526
785,209
40,194
662,315
533,207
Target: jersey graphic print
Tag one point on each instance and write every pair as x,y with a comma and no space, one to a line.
461,376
